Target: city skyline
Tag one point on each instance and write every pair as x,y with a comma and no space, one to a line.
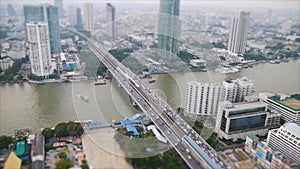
237,4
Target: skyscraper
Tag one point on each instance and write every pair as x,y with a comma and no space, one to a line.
238,32
47,14
59,5
168,29
110,21
10,10
202,98
88,17
39,48
74,17
237,90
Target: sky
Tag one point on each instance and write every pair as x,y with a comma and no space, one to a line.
233,3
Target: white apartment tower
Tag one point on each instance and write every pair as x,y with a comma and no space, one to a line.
202,98
286,140
39,48
238,32
110,20
237,90
88,20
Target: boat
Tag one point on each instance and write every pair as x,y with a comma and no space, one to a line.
151,80
84,98
100,82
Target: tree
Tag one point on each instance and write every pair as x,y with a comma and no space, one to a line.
63,164
74,129
61,130
48,133
5,141
84,165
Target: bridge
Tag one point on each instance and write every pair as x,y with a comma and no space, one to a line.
191,147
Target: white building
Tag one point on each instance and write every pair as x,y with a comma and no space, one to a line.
229,90
237,90
238,32
110,21
202,98
88,20
286,140
198,62
238,120
284,104
6,63
39,48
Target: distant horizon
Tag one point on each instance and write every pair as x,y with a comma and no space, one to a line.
272,4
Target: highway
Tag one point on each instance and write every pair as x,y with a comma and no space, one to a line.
195,154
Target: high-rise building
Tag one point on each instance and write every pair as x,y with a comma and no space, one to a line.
237,90
286,140
202,98
79,25
49,14
10,10
59,5
110,21
72,15
88,17
238,32
168,29
39,48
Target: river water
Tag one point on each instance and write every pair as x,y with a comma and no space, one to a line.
36,106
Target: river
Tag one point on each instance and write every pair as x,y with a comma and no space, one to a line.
36,106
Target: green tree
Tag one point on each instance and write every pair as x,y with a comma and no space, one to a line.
61,130
48,147
48,133
84,165
74,129
63,164
5,141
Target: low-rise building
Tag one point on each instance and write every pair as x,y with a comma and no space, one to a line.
264,155
198,63
288,106
238,120
6,63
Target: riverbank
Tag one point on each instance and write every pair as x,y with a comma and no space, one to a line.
106,155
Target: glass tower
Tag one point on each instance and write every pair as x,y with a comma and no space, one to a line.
168,31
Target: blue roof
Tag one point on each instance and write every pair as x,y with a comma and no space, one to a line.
133,129
126,122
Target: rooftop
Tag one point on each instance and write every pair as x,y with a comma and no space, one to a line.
292,128
291,103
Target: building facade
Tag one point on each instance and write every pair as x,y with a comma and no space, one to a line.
39,48
237,90
266,157
286,140
168,29
49,14
202,98
88,17
110,21
59,5
238,120
284,104
74,17
6,63
238,32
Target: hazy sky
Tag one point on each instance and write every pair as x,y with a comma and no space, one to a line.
235,3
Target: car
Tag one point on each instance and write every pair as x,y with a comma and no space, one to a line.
189,157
